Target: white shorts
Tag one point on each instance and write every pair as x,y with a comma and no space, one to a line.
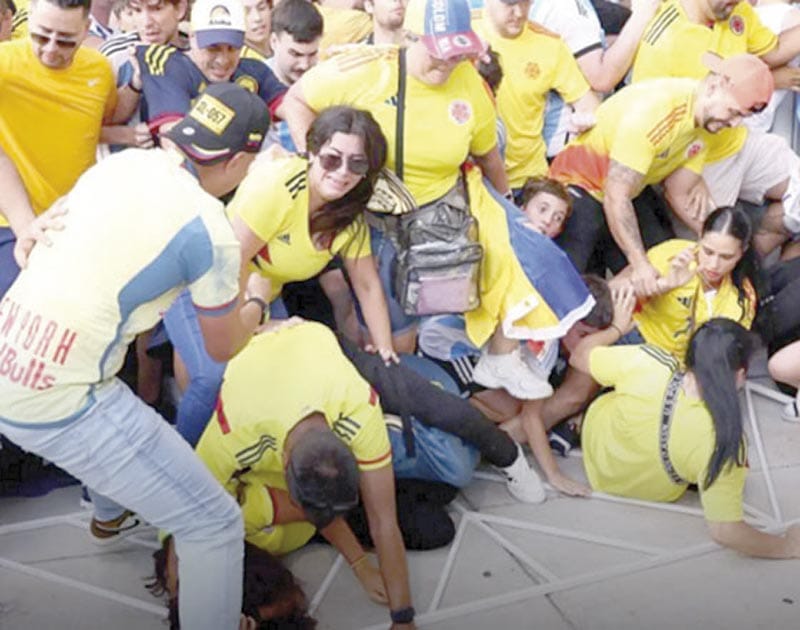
764,161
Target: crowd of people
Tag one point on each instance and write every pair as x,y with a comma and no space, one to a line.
374,242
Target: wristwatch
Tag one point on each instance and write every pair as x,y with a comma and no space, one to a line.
262,303
403,615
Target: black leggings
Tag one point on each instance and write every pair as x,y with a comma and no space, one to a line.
778,320
587,239
405,393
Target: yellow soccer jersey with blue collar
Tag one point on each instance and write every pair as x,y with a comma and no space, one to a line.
274,382
443,123
672,46
121,259
273,202
50,120
534,63
668,320
620,435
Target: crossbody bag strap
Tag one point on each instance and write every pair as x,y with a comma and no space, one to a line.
667,410
401,107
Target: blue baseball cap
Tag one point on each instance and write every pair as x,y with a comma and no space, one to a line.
444,26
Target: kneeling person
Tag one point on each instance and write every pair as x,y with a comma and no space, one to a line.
295,435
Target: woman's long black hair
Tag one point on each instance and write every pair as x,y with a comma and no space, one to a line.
717,350
336,215
733,221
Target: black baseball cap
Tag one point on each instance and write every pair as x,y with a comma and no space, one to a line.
224,120
322,477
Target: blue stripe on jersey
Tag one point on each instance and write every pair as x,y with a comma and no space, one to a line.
188,256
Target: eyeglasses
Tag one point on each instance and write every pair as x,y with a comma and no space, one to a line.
42,40
356,164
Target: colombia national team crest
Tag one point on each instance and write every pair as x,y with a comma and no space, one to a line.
694,149
460,112
737,24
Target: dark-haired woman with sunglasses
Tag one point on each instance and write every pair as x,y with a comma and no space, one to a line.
661,429
294,215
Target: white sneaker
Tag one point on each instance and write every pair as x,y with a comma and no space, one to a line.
511,373
790,412
522,481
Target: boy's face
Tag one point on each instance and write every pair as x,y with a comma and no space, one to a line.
546,213
577,332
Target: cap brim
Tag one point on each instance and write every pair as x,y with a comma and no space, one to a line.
186,135
454,45
217,36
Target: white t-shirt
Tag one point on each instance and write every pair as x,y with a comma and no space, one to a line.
775,17
578,25
138,230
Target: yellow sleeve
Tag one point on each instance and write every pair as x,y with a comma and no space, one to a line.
258,510
608,365
212,451
760,39
569,80
722,502
370,441
484,137
353,241
662,254
345,77
263,200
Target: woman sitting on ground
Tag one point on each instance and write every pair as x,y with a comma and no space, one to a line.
660,429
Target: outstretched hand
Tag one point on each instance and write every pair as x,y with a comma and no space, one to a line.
624,301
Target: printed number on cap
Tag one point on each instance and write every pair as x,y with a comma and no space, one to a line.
213,114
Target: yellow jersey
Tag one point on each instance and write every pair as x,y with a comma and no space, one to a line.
282,223
534,63
50,120
343,26
672,46
620,435
668,320
648,127
443,123
274,382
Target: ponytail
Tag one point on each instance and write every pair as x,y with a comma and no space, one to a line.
717,351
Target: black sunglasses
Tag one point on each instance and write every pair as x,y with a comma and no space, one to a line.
43,40
356,164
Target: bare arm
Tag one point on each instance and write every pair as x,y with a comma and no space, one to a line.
378,494
368,290
689,197
622,185
624,301
492,166
533,425
225,335
14,203
604,69
741,537
787,49
298,115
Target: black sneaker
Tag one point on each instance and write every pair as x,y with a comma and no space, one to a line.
563,438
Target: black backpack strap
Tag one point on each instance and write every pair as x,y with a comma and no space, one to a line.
401,107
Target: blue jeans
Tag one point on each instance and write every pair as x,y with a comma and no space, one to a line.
205,374
124,449
9,270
